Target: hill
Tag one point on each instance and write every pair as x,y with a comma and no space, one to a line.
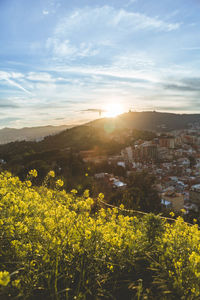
101,131
8,135
61,152
151,120
103,140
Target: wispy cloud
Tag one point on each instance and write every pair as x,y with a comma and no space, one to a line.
189,84
109,17
40,76
93,110
6,103
130,2
89,31
64,48
113,70
11,79
45,12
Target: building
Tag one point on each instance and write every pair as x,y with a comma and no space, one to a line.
195,194
127,154
173,200
189,139
116,183
149,151
100,175
168,142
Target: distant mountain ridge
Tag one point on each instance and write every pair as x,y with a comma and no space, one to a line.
8,135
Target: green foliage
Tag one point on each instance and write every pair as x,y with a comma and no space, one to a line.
142,186
53,247
154,227
140,194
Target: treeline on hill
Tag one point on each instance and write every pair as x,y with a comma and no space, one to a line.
152,120
57,245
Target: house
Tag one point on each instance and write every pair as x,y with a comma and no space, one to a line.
195,194
173,200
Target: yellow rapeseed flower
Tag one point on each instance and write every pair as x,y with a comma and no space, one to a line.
51,174
59,183
4,278
28,183
33,173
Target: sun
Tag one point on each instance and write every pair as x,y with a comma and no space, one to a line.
113,110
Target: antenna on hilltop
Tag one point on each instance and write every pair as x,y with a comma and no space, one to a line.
132,110
153,109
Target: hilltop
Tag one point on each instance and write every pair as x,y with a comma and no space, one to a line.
98,131
151,120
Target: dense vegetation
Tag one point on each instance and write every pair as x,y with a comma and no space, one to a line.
57,245
140,193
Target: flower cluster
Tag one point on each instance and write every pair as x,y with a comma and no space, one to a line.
55,243
4,278
33,173
51,174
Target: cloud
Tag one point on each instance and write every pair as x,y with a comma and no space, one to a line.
40,76
8,120
185,85
8,105
107,17
111,71
131,2
61,48
139,21
184,88
88,31
11,79
45,12
93,110
64,48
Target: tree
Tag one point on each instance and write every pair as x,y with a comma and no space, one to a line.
140,193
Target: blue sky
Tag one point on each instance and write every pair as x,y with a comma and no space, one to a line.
62,60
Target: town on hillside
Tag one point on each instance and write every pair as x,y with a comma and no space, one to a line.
173,158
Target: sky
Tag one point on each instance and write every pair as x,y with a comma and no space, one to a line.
62,61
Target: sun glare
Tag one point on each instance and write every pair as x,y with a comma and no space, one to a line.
113,110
